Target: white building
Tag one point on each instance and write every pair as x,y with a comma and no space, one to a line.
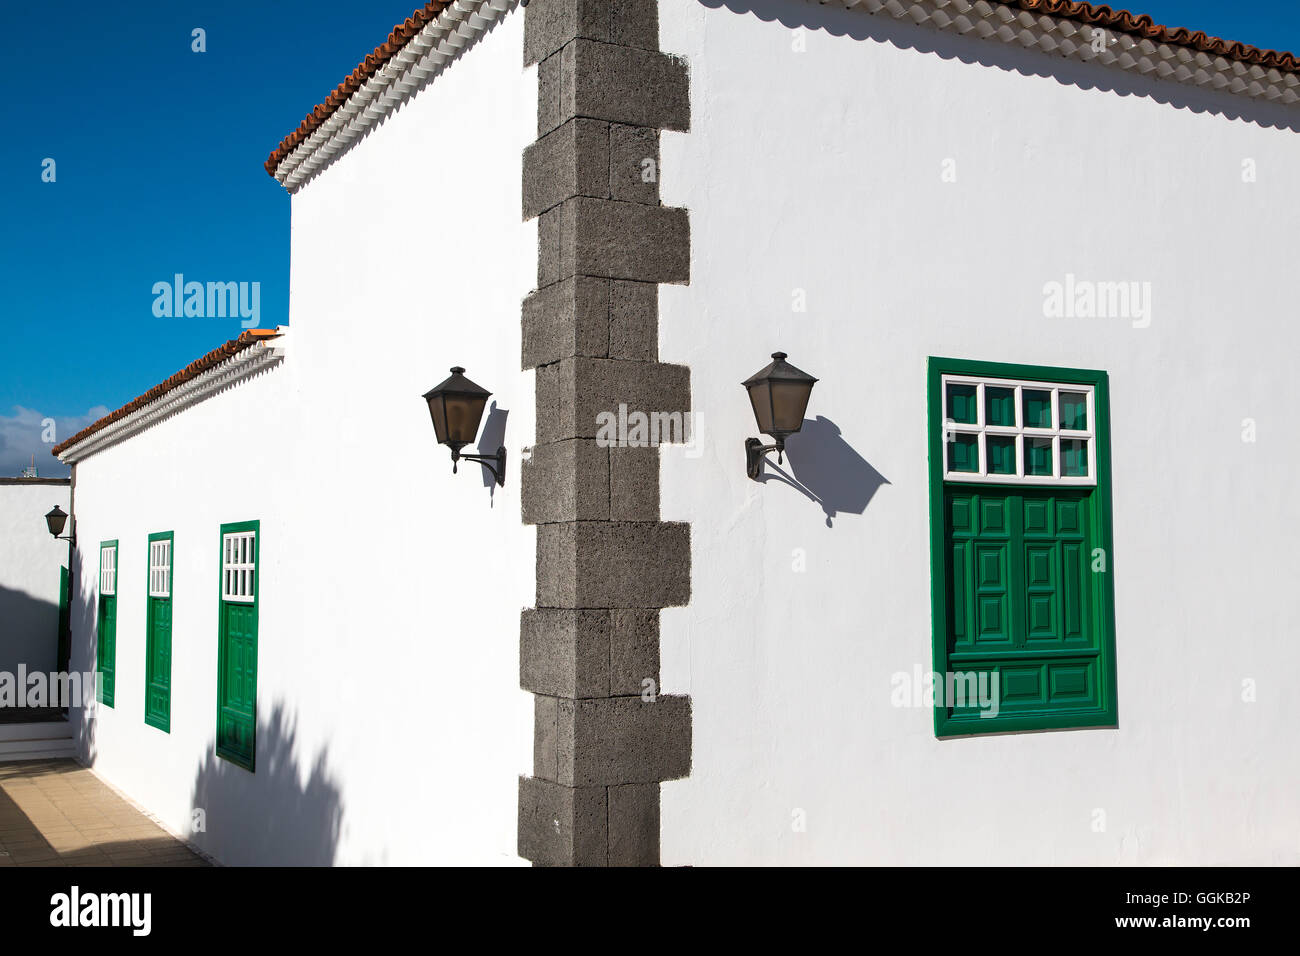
1037,256
34,591
32,585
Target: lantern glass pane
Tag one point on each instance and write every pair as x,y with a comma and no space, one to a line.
439,415
760,396
463,415
789,402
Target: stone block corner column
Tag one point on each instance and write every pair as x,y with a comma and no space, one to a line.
604,737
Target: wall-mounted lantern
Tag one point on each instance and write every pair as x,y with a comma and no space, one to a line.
56,519
456,406
779,394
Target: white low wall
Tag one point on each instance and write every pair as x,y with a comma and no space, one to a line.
391,728
819,176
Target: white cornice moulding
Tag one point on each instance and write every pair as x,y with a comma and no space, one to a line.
1072,39
442,40
239,367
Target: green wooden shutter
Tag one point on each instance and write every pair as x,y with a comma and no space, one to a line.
1021,566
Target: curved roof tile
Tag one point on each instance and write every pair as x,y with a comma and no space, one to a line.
1121,21
246,339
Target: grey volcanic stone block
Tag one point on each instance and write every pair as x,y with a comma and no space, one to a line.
572,318
566,653
634,321
623,84
578,397
550,24
545,739
550,248
570,161
563,826
634,825
548,95
613,564
634,484
566,481
618,740
620,240
633,154
557,584
633,651
635,23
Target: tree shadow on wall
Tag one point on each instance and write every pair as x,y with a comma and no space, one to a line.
826,469
276,816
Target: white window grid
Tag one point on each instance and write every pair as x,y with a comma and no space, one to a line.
982,430
238,566
108,571
160,569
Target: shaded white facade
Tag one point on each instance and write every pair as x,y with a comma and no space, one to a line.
391,728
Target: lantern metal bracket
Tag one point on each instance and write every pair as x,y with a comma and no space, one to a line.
754,452
498,472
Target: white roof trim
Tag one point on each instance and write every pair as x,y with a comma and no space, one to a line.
239,367
442,40
1072,39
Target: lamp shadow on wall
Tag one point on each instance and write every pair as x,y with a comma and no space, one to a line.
493,437
825,468
926,38
279,815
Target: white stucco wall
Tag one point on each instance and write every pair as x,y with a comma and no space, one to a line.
29,574
821,171
390,588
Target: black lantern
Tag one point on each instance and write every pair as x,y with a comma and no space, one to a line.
56,519
779,394
456,407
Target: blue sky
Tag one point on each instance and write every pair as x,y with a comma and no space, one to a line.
158,155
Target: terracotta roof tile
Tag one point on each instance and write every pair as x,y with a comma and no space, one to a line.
247,339
368,67
1120,21
1142,25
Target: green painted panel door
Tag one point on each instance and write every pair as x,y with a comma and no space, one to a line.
1024,599
106,624
158,664
237,645
158,633
238,680
65,619
106,648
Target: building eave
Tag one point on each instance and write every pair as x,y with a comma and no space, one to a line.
415,54
257,355
1132,43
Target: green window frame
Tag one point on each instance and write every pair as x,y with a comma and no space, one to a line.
158,630
1021,558
238,588
106,625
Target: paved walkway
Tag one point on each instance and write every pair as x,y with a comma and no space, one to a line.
58,813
